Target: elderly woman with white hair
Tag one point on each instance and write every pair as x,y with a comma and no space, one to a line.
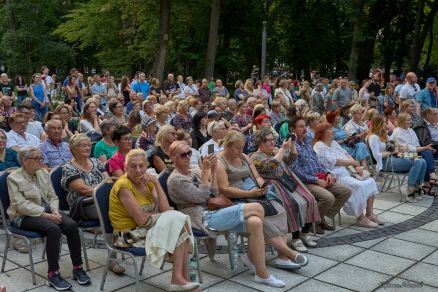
217,131
35,207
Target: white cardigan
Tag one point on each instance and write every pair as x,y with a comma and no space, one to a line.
406,137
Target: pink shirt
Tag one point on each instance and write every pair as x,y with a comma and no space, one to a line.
117,161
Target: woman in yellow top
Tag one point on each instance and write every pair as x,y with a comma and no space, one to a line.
138,209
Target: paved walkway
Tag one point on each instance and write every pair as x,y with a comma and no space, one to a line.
400,256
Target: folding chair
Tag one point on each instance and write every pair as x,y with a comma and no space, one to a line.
55,178
101,200
11,230
162,178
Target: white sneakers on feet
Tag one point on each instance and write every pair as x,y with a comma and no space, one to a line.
247,262
298,245
307,240
286,264
271,281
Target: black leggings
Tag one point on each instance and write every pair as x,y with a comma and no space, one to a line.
305,229
53,232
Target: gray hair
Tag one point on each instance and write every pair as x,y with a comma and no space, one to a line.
24,153
50,123
260,136
214,125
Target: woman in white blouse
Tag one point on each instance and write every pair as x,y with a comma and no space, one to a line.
336,159
386,160
405,136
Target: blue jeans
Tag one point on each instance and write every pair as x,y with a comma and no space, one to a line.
430,163
227,219
416,168
359,152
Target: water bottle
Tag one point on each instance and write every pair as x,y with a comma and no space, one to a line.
232,237
192,269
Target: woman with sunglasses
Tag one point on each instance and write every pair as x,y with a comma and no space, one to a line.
35,207
190,189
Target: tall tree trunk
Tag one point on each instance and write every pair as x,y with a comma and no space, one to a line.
160,57
415,48
212,38
430,47
354,53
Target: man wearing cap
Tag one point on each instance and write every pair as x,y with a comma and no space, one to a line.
428,96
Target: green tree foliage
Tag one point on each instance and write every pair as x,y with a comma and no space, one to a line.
26,42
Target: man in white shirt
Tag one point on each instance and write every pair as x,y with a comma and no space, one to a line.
411,88
17,136
46,80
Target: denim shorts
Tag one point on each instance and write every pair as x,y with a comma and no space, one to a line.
227,219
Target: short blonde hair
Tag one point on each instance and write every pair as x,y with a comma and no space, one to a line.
312,116
76,139
162,132
232,137
161,109
134,153
214,125
181,105
356,107
402,117
175,147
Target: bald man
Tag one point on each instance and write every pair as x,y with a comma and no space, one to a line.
411,88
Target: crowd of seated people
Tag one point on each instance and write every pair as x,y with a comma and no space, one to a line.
287,157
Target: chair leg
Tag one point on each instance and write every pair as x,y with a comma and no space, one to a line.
197,260
143,260
137,284
43,256
95,238
230,248
5,253
162,264
314,228
333,221
339,218
272,250
84,249
29,248
105,272
242,243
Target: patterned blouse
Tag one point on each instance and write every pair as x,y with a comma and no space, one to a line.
181,122
71,172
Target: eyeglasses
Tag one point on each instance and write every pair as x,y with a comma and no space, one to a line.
269,140
187,154
3,138
36,159
119,106
84,145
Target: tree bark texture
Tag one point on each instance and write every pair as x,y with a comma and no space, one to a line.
212,38
160,57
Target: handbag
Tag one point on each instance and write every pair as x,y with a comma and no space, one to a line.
251,183
355,174
218,202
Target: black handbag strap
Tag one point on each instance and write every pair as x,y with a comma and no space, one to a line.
250,170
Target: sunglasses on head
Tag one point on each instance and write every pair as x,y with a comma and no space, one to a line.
187,154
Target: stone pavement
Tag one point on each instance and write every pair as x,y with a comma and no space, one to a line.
400,256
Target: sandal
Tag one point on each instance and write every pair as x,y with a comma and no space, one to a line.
433,182
428,191
116,268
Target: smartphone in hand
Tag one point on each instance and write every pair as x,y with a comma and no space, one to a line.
211,149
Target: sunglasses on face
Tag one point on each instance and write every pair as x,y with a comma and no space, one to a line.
187,154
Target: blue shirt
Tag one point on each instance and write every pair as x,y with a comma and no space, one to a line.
143,87
11,160
54,155
306,165
427,99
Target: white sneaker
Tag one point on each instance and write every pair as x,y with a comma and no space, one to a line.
247,262
286,264
298,245
271,281
307,240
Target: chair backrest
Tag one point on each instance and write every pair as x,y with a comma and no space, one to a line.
162,178
101,201
106,165
55,178
4,195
